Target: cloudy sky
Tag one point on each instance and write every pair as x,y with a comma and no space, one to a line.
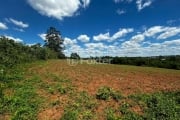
97,27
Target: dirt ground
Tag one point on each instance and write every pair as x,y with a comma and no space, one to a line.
90,77
126,79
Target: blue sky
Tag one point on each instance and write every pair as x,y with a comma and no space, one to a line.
97,27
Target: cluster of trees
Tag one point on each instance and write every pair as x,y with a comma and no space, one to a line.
12,53
170,62
74,56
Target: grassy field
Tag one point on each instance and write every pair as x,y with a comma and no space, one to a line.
54,90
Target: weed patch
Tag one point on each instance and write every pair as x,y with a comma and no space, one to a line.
105,93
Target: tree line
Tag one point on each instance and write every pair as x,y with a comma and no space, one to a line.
170,62
13,53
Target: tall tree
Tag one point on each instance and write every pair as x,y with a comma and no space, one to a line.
54,41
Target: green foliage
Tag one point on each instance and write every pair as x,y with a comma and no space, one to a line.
124,108
170,62
163,106
62,89
70,115
22,104
105,93
54,41
116,95
160,106
13,53
74,56
110,115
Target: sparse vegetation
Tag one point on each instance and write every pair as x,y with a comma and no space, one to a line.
29,90
105,93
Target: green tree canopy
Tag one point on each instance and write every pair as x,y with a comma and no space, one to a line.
74,56
54,41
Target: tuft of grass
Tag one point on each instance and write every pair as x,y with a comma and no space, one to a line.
70,115
105,93
111,115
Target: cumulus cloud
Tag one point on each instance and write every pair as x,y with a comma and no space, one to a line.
68,41
134,42
95,45
141,4
164,31
121,33
58,8
139,44
172,42
83,38
42,36
13,38
3,26
18,23
152,31
101,37
138,38
169,33
106,36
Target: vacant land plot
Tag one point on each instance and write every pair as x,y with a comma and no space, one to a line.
55,90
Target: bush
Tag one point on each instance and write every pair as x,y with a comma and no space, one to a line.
105,93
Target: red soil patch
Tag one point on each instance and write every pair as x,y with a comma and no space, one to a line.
127,79
54,113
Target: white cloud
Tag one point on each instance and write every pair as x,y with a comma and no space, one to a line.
164,31
134,42
106,36
154,30
130,44
172,42
169,33
138,38
137,45
19,23
83,38
120,12
121,33
101,37
42,36
68,41
3,26
95,45
13,38
58,8
141,4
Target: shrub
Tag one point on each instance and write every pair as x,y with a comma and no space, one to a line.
104,93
